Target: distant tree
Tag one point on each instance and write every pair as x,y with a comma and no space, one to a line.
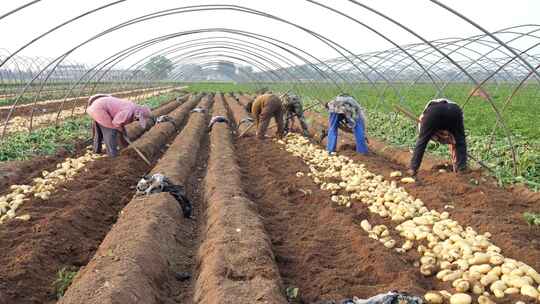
159,67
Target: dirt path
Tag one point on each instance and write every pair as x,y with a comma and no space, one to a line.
319,248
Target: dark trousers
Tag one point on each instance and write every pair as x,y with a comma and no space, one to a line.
441,117
109,136
273,109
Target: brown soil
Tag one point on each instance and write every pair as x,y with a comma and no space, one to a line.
319,248
64,230
485,207
236,264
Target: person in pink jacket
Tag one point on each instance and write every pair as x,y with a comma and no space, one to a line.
111,115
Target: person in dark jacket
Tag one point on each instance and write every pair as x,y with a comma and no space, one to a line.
293,108
442,121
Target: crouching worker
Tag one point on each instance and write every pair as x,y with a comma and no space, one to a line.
110,116
263,108
293,108
346,113
442,121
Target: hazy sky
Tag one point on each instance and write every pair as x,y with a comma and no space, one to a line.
424,17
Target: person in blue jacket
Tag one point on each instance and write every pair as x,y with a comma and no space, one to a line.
346,114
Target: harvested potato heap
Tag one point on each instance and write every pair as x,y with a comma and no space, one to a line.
450,252
42,186
21,124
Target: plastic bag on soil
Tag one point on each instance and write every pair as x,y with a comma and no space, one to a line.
160,183
392,297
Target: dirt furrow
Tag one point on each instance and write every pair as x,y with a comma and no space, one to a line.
152,243
236,264
67,229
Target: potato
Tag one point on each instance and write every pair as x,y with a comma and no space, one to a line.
484,268
516,281
512,290
433,298
390,244
452,276
428,269
428,260
445,294
534,275
480,258
25,217
445,265
407,180
478,288
529,291
488,279
472,276
461,285
461,264
460,298
496,259
485,300
395,174
365,225
498,288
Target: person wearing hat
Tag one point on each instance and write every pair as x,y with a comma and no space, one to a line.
110,116
346,113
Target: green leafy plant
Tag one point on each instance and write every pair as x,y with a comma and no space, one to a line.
292,292
533,219
64,277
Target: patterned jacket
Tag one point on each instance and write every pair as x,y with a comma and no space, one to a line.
348,106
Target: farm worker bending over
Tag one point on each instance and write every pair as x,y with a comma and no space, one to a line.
293,107
110,115
442,121
346,112
263,108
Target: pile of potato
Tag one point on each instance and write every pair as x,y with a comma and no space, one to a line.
42,187
450,252
22,123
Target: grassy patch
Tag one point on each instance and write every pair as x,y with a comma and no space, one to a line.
45,141
532,219
64,277
156,101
